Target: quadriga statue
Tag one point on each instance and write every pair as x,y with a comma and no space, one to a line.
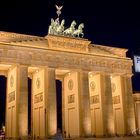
56,28
69,31
60,28
51,27
79,32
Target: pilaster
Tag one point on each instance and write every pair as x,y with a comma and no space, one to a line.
51,110
22,100
84,104
71,104
11,104
129,104
107,106
136,97
118,98
97,127
17,102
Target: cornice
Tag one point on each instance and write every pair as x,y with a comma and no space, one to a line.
121,52
136,97
10,37
61,43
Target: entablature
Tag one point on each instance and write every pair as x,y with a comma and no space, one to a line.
53,58
60,43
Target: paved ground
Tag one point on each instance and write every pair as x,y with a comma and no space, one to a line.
109,138
112,138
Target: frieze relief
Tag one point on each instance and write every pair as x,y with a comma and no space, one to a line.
92,86
11,96
68,44
12,53
38,83
71,99
116,99
23,55
113,87
70,84
94,99
66,60
11,81
38,98
1,50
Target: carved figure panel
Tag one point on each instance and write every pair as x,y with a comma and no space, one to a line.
92,86
113,87
116,99
11,80
38,83
94,99
11,96
70,84
71,99
38,98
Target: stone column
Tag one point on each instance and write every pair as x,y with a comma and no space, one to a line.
84,104
119,104
136,97
101,104
51,110
17,102
22,102
129,104
107,106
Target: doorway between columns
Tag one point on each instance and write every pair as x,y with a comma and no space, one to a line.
3,85
59,103
29,106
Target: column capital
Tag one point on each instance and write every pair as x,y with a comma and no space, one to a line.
122,74
81,70
51,109
96,72
128,75
136,97
48,67
3,73
19,65
84,98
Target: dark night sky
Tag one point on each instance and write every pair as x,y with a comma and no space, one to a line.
113,23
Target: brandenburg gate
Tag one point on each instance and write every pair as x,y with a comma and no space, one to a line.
96,86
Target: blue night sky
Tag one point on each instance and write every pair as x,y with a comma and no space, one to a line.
113,23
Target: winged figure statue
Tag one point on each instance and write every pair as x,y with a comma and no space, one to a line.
59,7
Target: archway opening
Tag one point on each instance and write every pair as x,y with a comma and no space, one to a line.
59,103
29,105
3,85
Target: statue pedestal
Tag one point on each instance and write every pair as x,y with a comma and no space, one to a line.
70,44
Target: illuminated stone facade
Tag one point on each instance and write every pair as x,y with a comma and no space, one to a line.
136,97
96,86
